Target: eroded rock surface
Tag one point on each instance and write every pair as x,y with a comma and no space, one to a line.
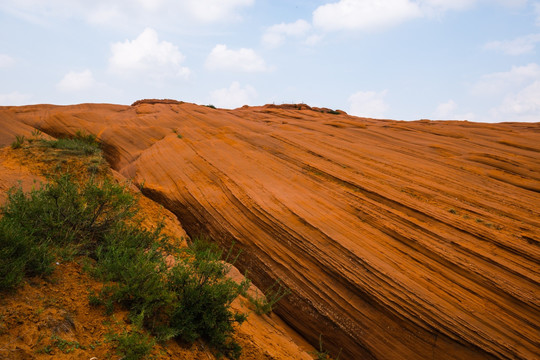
400,240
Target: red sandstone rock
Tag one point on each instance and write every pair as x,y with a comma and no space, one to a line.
400,240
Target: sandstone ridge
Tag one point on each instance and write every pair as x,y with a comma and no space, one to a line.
399,240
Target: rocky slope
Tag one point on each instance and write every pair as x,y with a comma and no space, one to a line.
51,318
399,240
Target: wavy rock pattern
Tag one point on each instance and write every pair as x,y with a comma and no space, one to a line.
400,240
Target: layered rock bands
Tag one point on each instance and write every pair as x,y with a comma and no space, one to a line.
399,240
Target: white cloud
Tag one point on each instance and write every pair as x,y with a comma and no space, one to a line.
537,12
246,60
376,14
447,111
146,56
438,6
364,15
151,4
103,14
14,99
444,5
6,61
517,93
126,13
275,35
368,104
216,10
518,46
504,82
521,106
313,39
77,81
234,96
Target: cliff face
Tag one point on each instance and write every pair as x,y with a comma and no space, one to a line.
399,240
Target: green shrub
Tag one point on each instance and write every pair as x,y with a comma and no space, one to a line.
80,144
21,255
131,258
191,300
204,296
60,217
133,345
62,212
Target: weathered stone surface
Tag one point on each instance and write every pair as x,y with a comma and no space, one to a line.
400,240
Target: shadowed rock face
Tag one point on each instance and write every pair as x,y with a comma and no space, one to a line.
400,240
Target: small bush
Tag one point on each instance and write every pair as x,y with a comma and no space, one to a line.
265,304
130,257
210,106
204,298
61,217
21,255
133,345
191,300
18,143
62,212
36,133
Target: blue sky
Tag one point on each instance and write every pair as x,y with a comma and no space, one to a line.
400,59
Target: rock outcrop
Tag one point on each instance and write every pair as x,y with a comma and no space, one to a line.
399,240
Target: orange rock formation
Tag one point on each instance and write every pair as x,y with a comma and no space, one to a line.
399,240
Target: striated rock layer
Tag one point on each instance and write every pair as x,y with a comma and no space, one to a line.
399,240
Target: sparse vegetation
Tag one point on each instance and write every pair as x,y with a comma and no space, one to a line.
21,255
64,213
96,220
324,354
66,346
80,144
204,296
191,300
19,141
133,345
266,303
210,106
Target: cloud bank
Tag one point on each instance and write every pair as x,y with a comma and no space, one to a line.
234,96
368,104
518,46
147,56
77,81
244,60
